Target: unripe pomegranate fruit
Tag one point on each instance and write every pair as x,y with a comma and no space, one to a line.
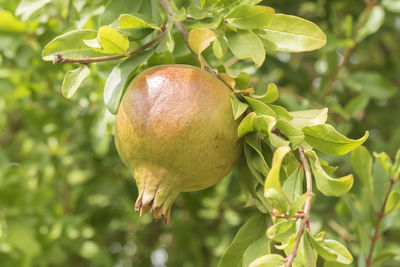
175,131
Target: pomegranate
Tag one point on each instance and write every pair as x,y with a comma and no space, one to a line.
175,131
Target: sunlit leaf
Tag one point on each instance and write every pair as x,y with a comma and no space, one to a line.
393,202
361,160
238,107
246,125
321,249
259,107
291,34
310,117
200,39
259,248
127,21
271,95
271,260
396,166
252,230
250,17
343,255
325,184
276,199
326,139
273,178
372,24
73,79
196,12
281,231
26,8
294,135
245,44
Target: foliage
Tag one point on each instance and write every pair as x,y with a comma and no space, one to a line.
67,200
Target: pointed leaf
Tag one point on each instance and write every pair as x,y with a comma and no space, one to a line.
385,161
220,46
111,41
310,117
246,125
343,255
238,107
326,139
273,178
259,248
119,79
271,95
371,83
259,107
252,230
271,260
281,231
281,112
276,199
196,12
297,205
250,17
393,202
294,135
73,79
375,19
361,160
199,40
321,249
291,34
70,44
127,21
325,184
396,166
245,44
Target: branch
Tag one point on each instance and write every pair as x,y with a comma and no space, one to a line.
307,206
59,58
346,55
381,216
183,31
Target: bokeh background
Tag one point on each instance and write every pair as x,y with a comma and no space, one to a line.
67,200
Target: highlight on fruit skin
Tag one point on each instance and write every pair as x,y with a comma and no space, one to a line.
176,133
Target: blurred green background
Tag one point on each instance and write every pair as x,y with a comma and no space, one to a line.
67,200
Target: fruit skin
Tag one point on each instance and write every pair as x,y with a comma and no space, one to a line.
175,131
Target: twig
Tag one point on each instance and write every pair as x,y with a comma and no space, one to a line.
381,216
306,211
183,31
59,58
346,54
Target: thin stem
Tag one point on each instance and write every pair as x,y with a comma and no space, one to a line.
381,216
346,54
306,211
59,58
183,31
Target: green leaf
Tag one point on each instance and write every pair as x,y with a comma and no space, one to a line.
385,161
396,166
294,135
70,44
308,118
271,260
273,178
220,46
22,236
271,95
371,83
325,184
281,112
200,39
292,187
119,78
259,107
242,80
393,202
211,22
73,79
245,44
252,230
259,248
328,169
196,12
246,125
392,5
343,255
250,17
361,160
356,104
291,34
375,19
306,253
111,41
321,249
297,205
9,23
238,107
282,230
276,199
326,139
26,8
255,158
127,21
